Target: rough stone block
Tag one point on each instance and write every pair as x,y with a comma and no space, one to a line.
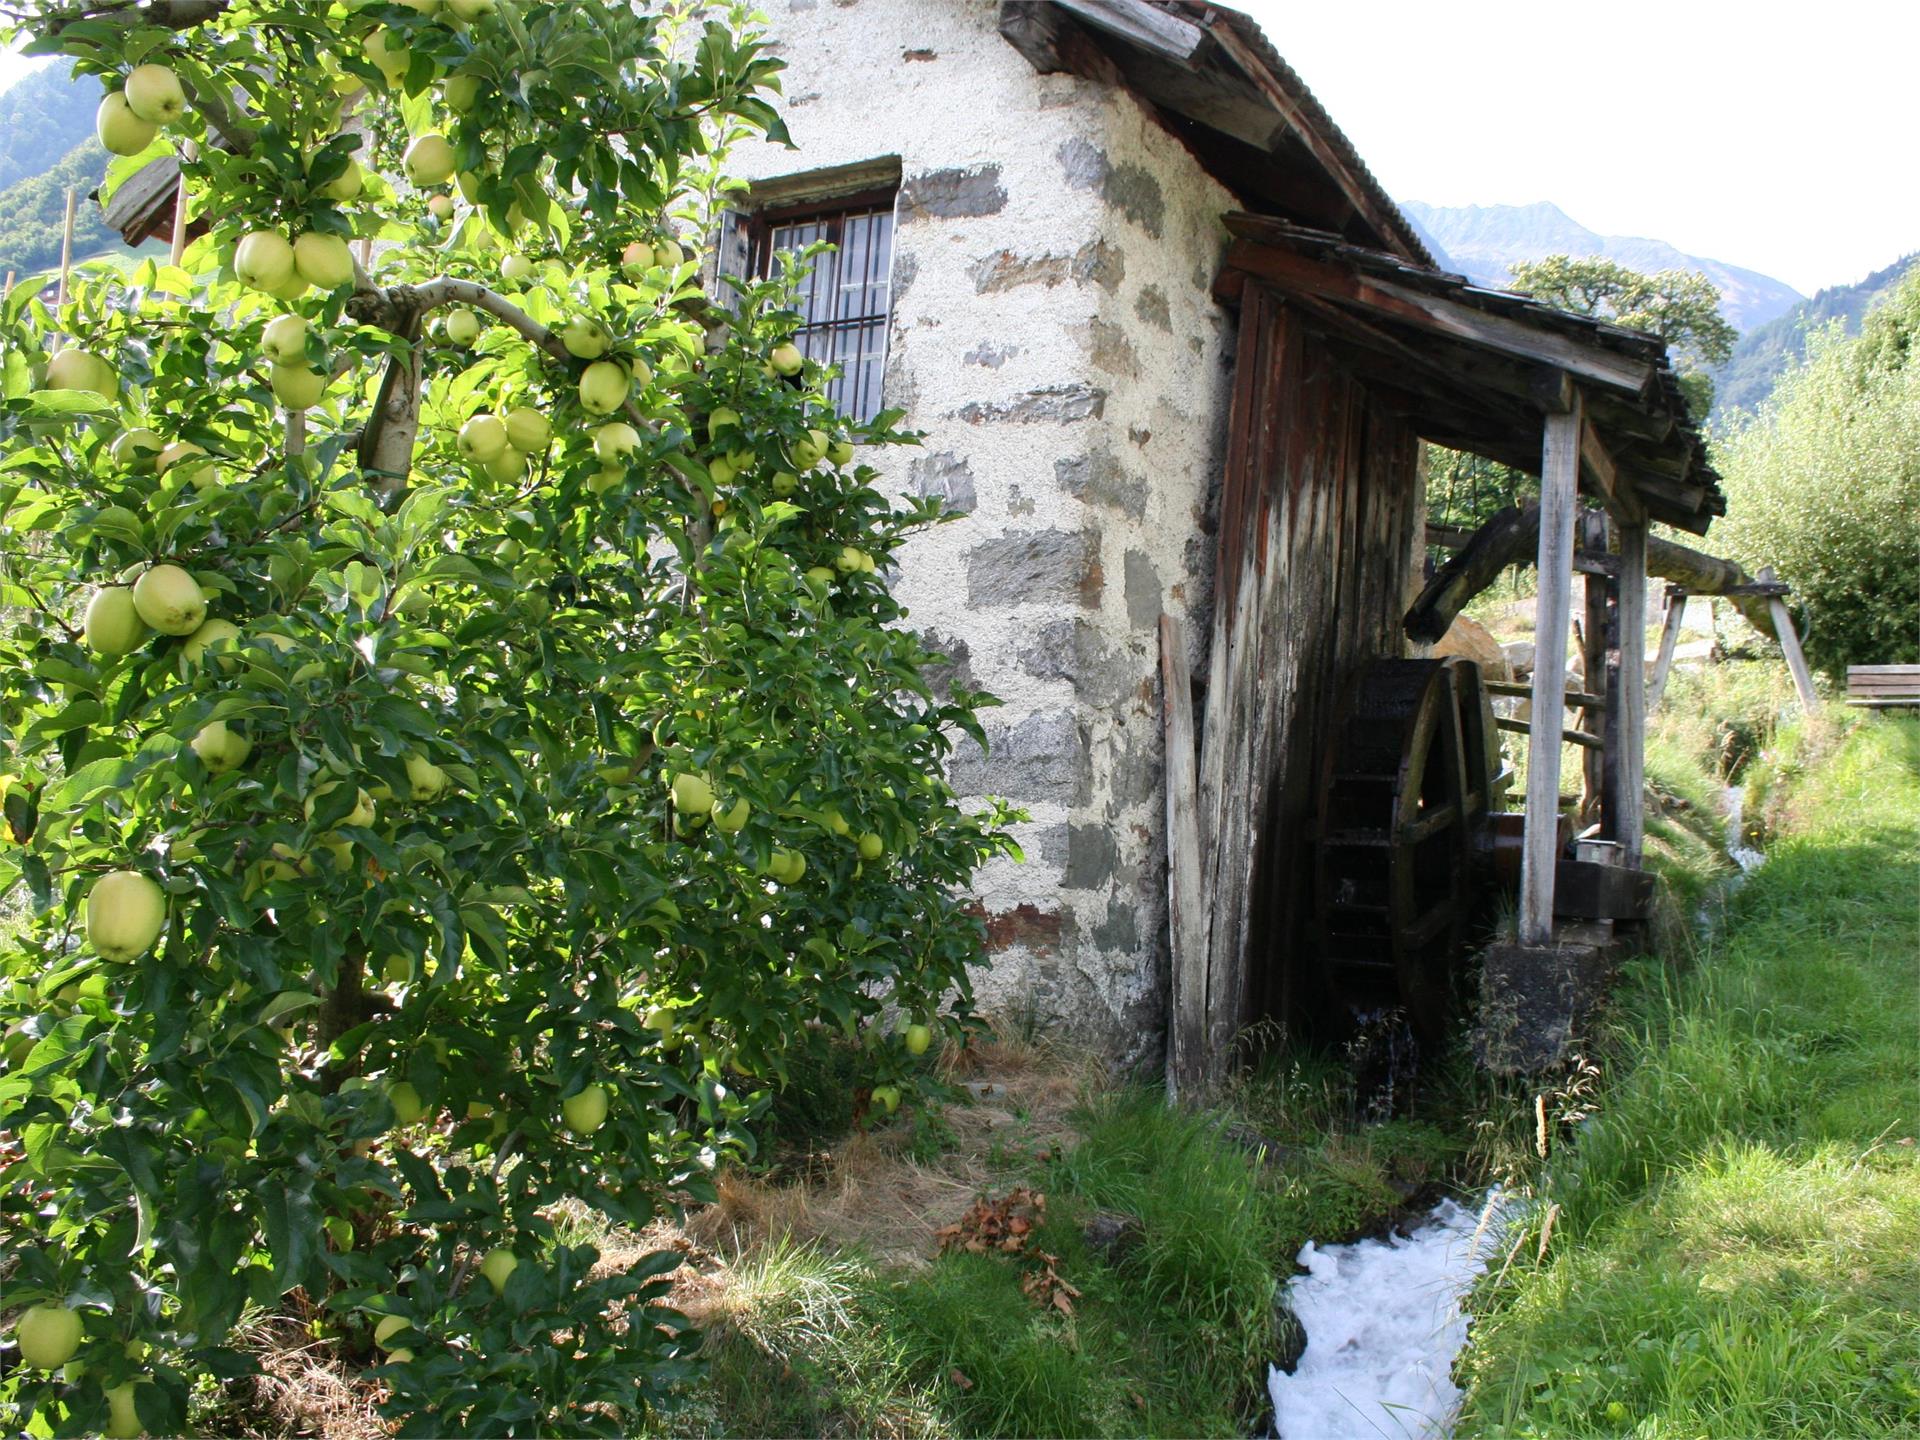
948,476
1130,189
1059,404
1092,854
1029,566
1145,599
952,194
1151,306
1100,479
956,669
1071,650
1033,761
1536,1002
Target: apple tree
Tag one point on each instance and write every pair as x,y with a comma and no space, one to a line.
460,745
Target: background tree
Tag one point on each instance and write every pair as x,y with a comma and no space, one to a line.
1824,485
1682,307
461,743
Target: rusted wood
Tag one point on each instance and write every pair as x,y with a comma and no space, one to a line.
1559,491
1789,639
1630,782
1186,914
1510,537
1669,642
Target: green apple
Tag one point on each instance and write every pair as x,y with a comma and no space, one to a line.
601,481
786,359
121,130
170,600
585,1112
462,326
460,92
471,10
136,449
396,970
720,470
720,419
407,1105
284,341
870,846
836,822
482,438
154,93
263,260
297,387
507,467
785,482
470,183
348,184
585,337
113,625
692,795
440,207
428,161
293,289
198,464
516,267
840,452
809,449
887,1097
208,632
426,781
362,814
48,1336
389,56
787,866
323,261
604,387
615,443
669,254
636,259
734,818
390,1326
820,575
72,369
528,429
661,1019
498,1265
123,1420
918,1038
220,747
849,561
125,914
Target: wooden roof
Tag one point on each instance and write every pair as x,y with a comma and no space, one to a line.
1479,370
1209,76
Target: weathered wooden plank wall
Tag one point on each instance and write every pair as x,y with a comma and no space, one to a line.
1319,508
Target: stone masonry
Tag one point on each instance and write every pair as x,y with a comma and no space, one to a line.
1055,338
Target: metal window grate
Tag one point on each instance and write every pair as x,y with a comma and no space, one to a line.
844,301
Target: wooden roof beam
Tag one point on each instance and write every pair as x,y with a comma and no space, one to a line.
1141,25
1436,315
1614,488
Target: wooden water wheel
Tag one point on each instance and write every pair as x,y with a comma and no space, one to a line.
1412,774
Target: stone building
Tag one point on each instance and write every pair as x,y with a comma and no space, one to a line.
1085,245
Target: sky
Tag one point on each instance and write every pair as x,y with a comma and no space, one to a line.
1783,137
1787,145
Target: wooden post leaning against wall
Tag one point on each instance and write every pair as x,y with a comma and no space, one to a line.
1630,771
1596,591
1540,852
1186,905
1669,642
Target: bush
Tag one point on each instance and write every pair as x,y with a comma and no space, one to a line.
1825,486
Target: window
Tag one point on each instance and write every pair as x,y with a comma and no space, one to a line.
843,303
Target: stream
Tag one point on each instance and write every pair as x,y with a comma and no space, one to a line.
1383,1324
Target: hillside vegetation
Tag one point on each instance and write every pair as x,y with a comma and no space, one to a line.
33,210
42,117
1766,352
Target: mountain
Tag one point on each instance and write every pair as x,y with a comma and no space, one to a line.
1482,241
1764,352
32,212
43,115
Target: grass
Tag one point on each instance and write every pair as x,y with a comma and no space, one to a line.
1736,1250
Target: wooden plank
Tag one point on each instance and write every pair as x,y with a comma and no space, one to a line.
1186,914
1907,672
1597,595
1583,738
1437,315
1631,774
1669,642
1137,23
1584,699
1559,489
1614,487
1789,639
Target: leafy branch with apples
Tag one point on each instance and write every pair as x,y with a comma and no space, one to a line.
461,749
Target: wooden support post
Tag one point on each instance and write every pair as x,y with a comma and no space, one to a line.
1669,642
1790,647
178,250
66,247
1559,483
1596,590
1630,772
1186,909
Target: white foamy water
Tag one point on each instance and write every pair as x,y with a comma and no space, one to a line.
1383,1325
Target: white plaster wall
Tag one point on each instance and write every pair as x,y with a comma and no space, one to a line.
1064,357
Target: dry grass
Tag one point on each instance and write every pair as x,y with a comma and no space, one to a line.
873,1195
302,1389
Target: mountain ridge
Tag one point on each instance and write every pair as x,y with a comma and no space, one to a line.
1483,241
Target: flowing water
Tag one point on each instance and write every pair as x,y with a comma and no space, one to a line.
1383,1324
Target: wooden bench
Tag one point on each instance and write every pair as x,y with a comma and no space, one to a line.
1883,687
